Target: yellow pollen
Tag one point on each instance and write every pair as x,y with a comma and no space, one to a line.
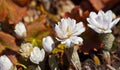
68,30
102,28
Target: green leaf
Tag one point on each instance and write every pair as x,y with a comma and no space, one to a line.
22,66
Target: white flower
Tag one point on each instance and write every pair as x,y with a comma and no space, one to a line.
67,31
72,40
5,63
20,30
26,49
48,44
102,22
37,55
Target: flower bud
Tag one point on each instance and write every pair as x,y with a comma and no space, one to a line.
20,30
37,55
48,44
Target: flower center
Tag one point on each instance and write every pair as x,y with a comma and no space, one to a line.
68,31
103,29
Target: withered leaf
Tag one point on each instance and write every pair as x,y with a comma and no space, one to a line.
77,14
22,2
1,48
13,59
38,25
63,6
8,41
11,11
50,15
97,4
110,4
103,4
37,30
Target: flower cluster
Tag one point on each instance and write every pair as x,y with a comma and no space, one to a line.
36,55
68,30
68,33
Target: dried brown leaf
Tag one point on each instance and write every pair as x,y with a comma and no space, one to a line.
97,4
11,11
13,59
8,41
37,30
22,2
103,4
77,14
1,48
50,15
36,26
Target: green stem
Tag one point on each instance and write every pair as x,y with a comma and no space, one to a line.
108,40
73,57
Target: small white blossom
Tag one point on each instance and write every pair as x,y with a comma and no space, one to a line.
5,63
102,22
20,30
48,44
67,31
37,55
26,49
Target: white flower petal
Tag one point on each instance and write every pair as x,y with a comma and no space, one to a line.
64,24
95,28
93,15
93,22
42,55
76,40
109,16
5,63
37,55
79,29
72,25
108,31
101,13
32,59
48,44
59,32
114,22
107,19
67,42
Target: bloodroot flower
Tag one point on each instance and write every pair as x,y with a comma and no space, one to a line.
26,49
37,55
102,22
20,30
67,31
5,63
48,44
